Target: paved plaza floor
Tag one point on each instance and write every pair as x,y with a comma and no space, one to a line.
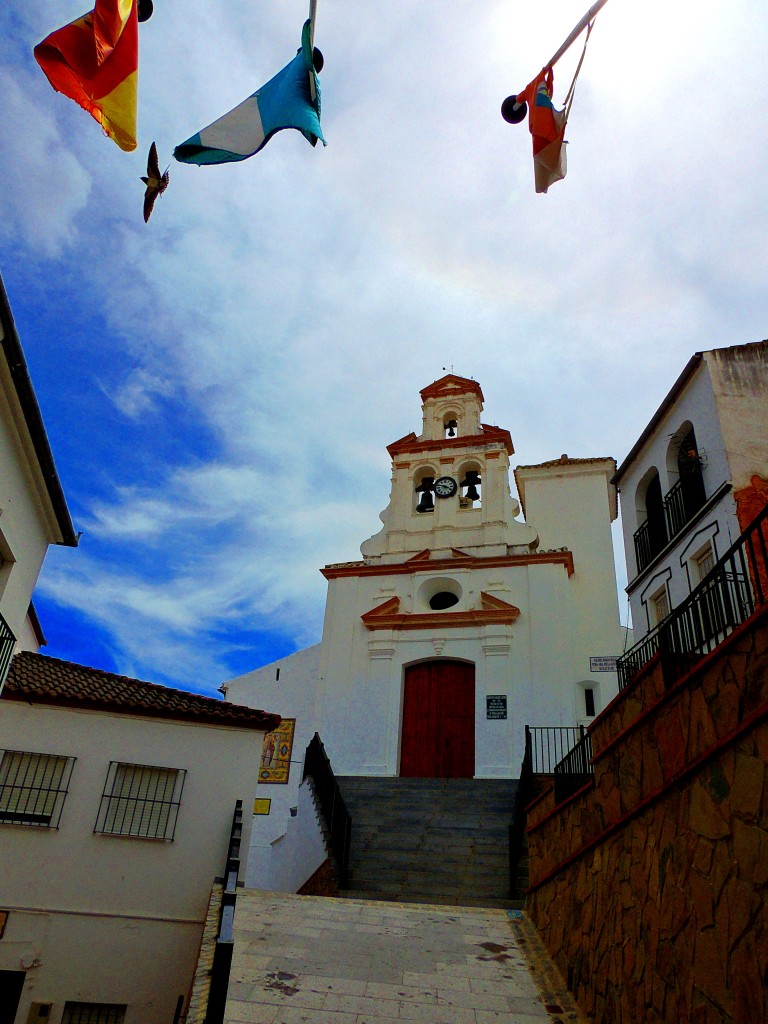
343,961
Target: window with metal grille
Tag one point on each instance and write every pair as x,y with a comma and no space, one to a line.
93,1013
140,800
33,787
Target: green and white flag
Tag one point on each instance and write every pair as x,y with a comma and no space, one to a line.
289,100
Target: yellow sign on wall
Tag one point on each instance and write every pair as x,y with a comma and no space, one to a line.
276,753
262,805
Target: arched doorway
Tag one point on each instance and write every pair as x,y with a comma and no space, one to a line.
438,735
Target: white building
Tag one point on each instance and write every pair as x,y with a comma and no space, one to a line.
461,624
695,478
116,804
33,511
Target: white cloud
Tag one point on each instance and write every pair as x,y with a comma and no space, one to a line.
294,304
43,187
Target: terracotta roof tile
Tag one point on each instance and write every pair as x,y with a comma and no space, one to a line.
566,460
42,680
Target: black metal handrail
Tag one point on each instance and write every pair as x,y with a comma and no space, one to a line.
550,744
547,749
735,587
575,769
7,642
332,807
517,824
225,940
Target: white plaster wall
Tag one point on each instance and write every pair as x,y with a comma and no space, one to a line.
697,403
537,662
24,529
146,964
285,864
292,695
26,638
571,506
83,881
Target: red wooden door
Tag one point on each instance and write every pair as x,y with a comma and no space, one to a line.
438,738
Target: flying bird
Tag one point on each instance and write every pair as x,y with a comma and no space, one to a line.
156,182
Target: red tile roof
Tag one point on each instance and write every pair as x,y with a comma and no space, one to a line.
37,679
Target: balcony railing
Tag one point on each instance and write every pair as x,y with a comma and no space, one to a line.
681,503
7,641
334,811
735,587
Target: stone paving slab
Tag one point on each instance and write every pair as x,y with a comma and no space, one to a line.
316,960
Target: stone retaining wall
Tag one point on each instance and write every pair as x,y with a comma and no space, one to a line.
649,888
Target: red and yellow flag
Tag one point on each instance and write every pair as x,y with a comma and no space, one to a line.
95,61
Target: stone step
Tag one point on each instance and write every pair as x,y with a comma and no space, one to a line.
438,840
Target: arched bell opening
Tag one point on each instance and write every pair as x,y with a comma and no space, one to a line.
450,425
424,490
470,482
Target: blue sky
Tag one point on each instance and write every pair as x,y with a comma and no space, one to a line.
219,386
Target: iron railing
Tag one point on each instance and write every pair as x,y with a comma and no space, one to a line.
735,587
648,543
550,744
575,770
681,503
7,641
225,940
547,750
332,807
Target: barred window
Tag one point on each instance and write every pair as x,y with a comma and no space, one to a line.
140,800
93,1013
33,787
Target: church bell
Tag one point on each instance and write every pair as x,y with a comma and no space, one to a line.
426,502
470,481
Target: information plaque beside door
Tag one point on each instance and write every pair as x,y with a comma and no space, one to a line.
496,705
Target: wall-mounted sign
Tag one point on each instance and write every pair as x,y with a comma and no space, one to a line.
276,753
262,805
496,705
607,663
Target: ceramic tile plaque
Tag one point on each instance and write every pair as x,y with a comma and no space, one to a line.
276,753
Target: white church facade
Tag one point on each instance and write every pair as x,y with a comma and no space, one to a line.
461,624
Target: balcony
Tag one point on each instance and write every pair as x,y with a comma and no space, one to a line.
734,589
7,640
681,503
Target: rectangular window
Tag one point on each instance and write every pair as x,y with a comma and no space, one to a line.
33,787
589,702
93,1013
140,800
704,561
660,602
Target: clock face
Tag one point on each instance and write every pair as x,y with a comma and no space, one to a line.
445,487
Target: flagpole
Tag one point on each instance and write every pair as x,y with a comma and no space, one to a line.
574,35
312,13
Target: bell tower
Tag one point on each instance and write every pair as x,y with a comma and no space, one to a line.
450,485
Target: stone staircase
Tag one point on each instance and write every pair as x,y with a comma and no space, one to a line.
443,841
